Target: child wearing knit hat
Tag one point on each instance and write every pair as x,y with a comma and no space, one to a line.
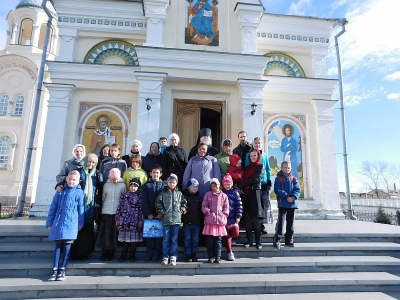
192,220
171,204
235,212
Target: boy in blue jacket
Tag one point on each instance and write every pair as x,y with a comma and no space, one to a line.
287,190
66,216
150,191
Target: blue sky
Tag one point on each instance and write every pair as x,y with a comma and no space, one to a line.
370,55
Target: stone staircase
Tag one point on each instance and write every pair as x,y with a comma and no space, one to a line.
330,257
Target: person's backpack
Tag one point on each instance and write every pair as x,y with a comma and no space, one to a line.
281,179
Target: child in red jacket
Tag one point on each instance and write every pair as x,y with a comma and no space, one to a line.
235,168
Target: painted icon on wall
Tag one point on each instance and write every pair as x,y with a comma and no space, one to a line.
102,128
285,136
202,22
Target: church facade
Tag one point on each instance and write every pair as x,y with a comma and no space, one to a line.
123,70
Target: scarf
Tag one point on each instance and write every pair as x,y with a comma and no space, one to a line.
89,185
250,170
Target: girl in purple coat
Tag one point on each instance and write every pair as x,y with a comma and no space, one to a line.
129,220
215,207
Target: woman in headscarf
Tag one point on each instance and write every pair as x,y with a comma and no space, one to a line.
76,163
253,209
203,168
174,159
136,146
90,180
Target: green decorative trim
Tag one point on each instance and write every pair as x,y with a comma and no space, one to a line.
112,48
285,63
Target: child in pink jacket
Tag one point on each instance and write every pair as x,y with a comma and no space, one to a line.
215,207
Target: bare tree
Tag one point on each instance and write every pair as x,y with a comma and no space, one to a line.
371,175
388,172
377,174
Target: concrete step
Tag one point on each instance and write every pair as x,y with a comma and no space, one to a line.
28,267
304,296
37,250
197,285
41,236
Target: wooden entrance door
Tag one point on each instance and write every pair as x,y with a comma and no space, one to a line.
188,117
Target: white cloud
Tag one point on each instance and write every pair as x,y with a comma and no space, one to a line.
394,96
393,76
299,8
367,52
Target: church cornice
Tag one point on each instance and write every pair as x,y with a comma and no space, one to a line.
208,61
91,72
311,86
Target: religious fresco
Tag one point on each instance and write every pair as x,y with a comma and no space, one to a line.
201,21
100,125
285,140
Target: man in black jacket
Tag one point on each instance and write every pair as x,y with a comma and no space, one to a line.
243,148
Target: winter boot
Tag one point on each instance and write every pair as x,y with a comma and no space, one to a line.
110,255
194,257
132,258
103,255
124,252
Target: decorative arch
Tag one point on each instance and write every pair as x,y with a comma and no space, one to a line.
273,128
101,52
116,117
286,63
26,31
8,143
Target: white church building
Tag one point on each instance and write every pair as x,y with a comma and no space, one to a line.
141,69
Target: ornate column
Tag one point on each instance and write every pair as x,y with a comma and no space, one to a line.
68,39
251,92
249,20
318,56
14,31
148,120
10,165
54,136
156,12
35,35
327,177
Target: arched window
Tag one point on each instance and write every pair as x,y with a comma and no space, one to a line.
42,36
25,34
3,105
5,147
19,106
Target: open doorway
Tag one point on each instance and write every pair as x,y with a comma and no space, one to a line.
191,115
210,118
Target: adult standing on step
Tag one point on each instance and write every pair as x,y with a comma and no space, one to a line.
243,148
136,146
204,137
76,163
174,159
91,178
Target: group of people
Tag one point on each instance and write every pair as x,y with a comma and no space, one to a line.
209,192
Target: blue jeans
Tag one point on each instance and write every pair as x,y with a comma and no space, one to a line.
61,255
214,246
191,238
170,240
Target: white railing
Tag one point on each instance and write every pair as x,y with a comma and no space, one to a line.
387,203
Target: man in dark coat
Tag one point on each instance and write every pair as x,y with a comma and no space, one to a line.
243,148
204,137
